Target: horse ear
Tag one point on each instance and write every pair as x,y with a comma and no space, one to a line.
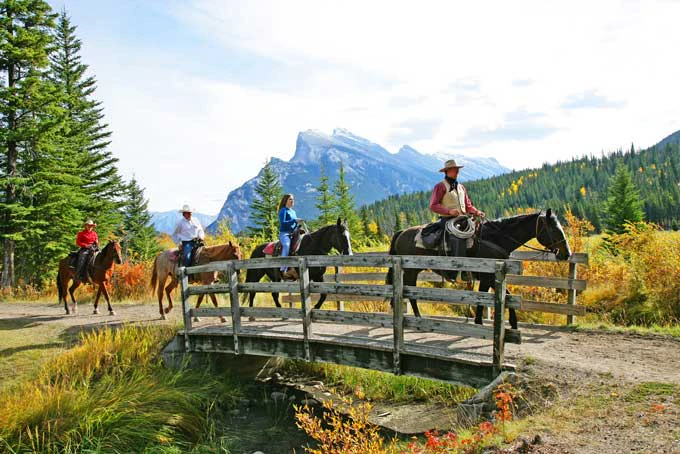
230,244
548,214
339,221
344,222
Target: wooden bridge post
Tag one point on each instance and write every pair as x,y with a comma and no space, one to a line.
306,304
340,304
397,312
499,313
571,296
235,308
186,306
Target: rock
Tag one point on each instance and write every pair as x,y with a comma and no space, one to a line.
278,396
309,402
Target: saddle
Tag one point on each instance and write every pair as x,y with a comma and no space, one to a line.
274,248
451,240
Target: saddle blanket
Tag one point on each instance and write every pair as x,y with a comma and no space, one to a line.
269,248
419,241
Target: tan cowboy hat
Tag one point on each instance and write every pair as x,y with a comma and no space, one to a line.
450,164
90,222
186,209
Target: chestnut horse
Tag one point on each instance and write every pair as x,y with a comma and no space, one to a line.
100,271
165,265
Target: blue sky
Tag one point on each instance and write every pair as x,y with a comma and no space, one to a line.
223,85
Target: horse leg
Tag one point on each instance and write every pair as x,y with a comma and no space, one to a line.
513,313
322,298
410,278
63,292
484,285
168,292
159,292
107,297
72,289
213,298
96,299
254,275
198,304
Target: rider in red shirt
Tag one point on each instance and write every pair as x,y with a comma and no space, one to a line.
88,241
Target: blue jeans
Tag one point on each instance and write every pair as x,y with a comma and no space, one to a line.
187,247
284,238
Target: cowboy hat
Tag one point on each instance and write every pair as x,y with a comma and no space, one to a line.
186,209
90,222
450,164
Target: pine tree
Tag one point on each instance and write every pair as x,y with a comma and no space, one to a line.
139,237
263,211
345,207
623,203
325,201
27,116
102,187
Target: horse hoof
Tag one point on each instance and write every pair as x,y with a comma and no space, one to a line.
197,319
95,312
478,322
163,317
74,310
251,318
223,319
68,312
112,312
167,310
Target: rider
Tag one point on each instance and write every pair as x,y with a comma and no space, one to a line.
288,224
188,233
88,241
450,199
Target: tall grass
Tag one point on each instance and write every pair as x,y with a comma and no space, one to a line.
111,394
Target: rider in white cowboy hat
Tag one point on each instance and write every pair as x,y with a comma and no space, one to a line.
88,241
188,232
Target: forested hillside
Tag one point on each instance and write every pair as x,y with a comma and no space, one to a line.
580,184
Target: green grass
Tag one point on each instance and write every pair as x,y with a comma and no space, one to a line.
673,331
376,385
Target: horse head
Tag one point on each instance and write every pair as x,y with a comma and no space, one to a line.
341,238
550,234
113,251
236,253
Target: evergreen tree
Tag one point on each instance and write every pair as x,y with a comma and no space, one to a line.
623,202
101,185
27,115
139,237
325,201
345,207
263,211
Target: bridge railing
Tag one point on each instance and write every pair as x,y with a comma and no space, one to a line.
396,292
570,282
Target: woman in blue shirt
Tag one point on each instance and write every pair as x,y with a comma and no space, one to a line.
288,222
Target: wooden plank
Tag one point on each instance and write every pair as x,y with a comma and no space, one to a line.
330,298
383,261
205,289
398,313
554,308
273,262
186,305
461,297
268,287
306,304
384,291
458,263
211,312
576,257
571,295
232,275
208,267
443,326
499,313
352,277
353,318
549,282
271,312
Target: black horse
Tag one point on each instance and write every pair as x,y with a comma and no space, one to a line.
320,242
497,239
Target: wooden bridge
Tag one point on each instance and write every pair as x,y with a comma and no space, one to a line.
431,347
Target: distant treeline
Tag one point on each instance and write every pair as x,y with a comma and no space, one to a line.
580,184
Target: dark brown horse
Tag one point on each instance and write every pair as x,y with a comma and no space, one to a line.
497,239
100,270
320,242
165,265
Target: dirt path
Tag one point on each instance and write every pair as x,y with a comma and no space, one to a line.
611,386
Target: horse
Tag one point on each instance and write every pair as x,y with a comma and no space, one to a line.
497,239
101,270
320,242
166,263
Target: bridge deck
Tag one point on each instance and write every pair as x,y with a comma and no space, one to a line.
431,355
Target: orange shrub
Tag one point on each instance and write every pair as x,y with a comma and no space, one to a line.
131,281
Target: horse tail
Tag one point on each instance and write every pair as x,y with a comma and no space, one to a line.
393,242
154,274
59,290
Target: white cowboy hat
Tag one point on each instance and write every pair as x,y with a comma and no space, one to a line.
186,209
450,164
90,222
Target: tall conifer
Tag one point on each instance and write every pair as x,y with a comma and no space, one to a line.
263,211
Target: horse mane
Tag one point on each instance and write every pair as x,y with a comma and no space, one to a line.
495,229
